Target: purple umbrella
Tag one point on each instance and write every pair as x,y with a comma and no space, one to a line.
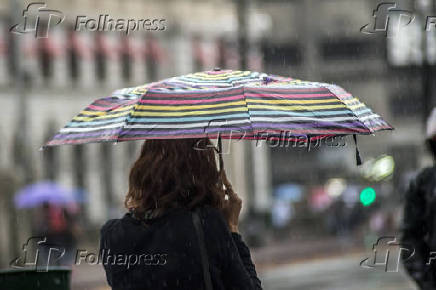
45,191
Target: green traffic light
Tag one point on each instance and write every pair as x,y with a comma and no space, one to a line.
367,196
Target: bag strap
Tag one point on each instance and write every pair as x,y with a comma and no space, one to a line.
203,252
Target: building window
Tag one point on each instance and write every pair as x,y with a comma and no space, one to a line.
73,55
126,59
347,48
100,56
280,54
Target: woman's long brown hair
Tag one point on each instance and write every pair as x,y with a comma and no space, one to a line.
175,173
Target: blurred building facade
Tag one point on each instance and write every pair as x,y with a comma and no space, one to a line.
46,81
69,69
322,41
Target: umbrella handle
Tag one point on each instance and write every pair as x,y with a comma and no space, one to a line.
228,187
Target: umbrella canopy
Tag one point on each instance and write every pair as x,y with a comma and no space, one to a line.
225,103
46,191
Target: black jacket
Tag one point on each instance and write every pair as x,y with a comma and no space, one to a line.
166,254
419,228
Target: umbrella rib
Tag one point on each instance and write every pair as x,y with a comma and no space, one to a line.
329,87
122,128
248,110
147,89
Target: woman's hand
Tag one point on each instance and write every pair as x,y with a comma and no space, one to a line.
231,210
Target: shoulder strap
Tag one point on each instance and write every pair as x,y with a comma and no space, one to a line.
203,252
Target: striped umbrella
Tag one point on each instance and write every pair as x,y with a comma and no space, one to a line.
222,103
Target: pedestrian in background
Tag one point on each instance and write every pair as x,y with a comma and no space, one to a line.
419,225
59,227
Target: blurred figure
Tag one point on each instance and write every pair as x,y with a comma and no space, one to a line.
58,225
281,213
336,219
419,225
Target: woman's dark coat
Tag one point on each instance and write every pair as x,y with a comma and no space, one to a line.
165,254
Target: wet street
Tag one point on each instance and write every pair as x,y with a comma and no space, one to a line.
333,274
336,273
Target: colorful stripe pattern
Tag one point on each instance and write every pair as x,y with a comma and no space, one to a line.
233,104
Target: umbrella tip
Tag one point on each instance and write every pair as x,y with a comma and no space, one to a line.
267,79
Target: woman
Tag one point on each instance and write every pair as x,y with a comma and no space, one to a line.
156,244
